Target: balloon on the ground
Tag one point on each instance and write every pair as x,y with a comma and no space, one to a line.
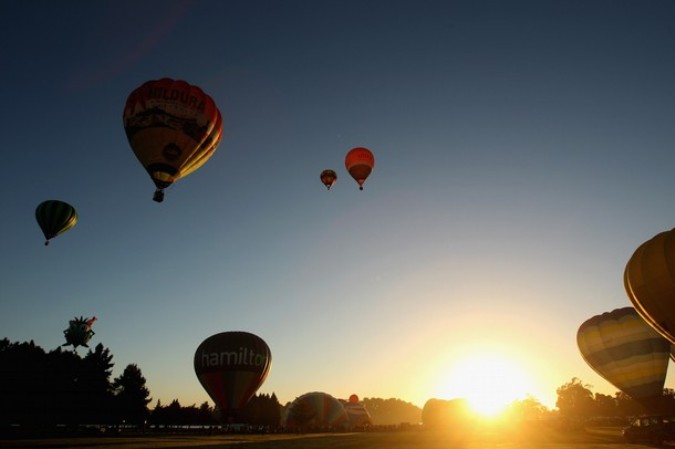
450,414
328,178
79,332
622,348
231,366
55,217
360,162
173,128
649,280
357,413
316,410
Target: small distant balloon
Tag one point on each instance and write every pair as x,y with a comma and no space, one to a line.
328,178
79,332
55,217
173,128
360,162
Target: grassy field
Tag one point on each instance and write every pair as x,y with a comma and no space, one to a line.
597,438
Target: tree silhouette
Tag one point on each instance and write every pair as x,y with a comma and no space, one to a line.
132,396
575,399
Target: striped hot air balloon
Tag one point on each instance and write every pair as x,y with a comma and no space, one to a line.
173,128
649,280
55,217
622,348
316,410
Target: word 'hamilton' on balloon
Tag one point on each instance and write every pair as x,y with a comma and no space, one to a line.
244,357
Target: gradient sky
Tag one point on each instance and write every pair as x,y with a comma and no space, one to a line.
524,149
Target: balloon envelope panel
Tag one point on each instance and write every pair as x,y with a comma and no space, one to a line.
622,348
649,279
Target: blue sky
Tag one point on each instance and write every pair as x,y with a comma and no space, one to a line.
523,151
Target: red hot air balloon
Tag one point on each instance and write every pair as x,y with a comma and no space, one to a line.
328,178
173,129
360,163
231,366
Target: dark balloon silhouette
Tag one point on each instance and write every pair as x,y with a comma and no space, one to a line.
622,348
328,178
649,280
316,410
55,217
173,129
360,162
79,332
231,366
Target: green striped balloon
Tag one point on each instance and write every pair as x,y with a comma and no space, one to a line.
622,348
55,217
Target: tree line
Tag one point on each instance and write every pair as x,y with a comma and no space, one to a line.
60,387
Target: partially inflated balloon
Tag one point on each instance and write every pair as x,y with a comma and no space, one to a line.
231,366
328,178
360,162
622,348
316,410
173,129
649,280
55,217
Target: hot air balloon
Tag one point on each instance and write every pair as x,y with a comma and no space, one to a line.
316,410
55,217
231,366
357,413
649,279
622,348
360,163
328,178
79,332
173,129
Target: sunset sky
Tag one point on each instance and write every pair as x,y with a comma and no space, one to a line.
523,150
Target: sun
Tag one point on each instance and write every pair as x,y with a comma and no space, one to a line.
489,382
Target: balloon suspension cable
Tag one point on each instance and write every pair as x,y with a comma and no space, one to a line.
158,196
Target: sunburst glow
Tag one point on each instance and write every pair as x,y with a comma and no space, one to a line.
489,382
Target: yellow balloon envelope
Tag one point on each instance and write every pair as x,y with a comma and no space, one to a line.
649,279
173,129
